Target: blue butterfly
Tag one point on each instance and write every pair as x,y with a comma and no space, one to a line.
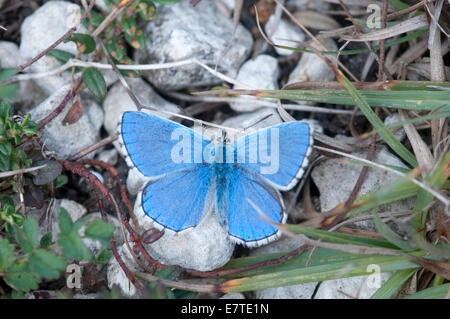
190,173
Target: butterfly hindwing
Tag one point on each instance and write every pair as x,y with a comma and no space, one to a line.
278,153
179,200
244,223
150,142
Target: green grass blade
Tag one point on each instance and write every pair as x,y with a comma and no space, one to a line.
390,235
398,190
339,238
439,292
393,285
334,270
417,99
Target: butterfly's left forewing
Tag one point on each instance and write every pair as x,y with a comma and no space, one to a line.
278,153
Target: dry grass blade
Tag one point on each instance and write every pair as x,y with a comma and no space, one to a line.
21,171
421,149
317,21
403,27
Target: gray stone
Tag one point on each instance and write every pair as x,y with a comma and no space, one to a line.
67,140
233,295
29,93
361,287
9,55
301,291
117,102
399,131
117,277
75,210
201,32
281,32
261,73
108,156
101,5
205,247
261,118
345,175
312,68
43,28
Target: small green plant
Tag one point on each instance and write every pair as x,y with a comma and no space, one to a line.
119,32
11,132
26,259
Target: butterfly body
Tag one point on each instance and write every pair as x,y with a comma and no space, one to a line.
190,175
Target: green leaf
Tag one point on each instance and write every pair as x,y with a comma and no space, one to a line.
21,278
5,110
393,285
46,240
96,19
31,229
5,148
101,231
61,56
95,82
439,292
5,74
61,180
390,235
65,221
46,263
73,246
147,10
85,43
80,222
7,257
23,240
9,91
104,256
5,163
7,201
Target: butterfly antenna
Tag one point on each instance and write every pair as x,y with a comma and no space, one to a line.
258,121
186,117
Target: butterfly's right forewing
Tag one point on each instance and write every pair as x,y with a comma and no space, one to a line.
156,146
171,155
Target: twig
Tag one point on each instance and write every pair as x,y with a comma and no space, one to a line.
21,171
262,103
72,93
94,147
382,42
124,267
141,67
